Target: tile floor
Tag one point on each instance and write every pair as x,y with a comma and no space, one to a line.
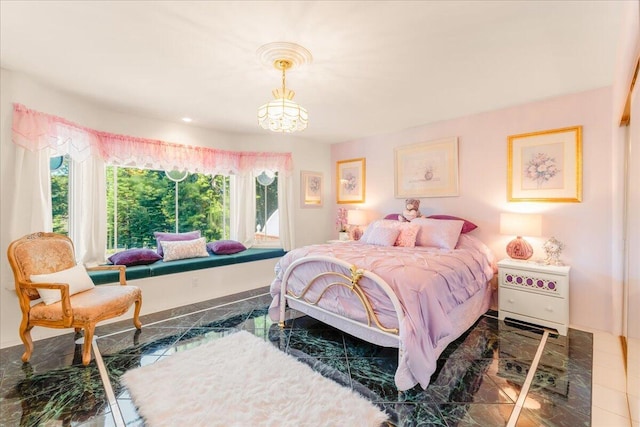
478,379
610,406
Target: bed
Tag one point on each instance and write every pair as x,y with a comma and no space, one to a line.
416,288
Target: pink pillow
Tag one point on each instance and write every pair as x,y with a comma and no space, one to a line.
439,233
467,227
381,236
408,234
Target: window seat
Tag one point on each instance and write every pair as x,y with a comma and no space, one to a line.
160,268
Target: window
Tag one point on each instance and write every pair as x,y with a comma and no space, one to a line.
59,167
81,205
141,201
267,218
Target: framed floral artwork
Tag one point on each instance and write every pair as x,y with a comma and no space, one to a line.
311,189
350,180
545,166
428,169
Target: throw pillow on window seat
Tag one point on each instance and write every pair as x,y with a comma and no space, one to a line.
225,247
131,257
184,249
173,237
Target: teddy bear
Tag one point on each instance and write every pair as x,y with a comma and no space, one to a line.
412,210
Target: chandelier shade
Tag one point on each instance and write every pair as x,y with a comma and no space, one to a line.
282,114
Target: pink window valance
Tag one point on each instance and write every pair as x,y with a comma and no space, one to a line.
34,130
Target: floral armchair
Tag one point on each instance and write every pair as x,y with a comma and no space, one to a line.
41,255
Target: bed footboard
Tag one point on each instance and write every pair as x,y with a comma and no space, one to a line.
334,274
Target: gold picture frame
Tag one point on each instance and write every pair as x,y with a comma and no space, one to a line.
351,180
311,189
545,166
428,169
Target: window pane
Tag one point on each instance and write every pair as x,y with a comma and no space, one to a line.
144,204
141,201
60,193
202,207
267,221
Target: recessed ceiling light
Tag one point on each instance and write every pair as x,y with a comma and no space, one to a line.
187,119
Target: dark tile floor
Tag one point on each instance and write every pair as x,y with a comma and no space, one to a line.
477,383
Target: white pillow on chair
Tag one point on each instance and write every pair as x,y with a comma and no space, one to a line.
76,277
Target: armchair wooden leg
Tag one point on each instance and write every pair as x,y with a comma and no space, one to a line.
88,341
136,314
25,336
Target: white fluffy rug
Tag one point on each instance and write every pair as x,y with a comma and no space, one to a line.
241,380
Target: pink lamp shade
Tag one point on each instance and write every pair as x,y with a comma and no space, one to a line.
520,225
356,217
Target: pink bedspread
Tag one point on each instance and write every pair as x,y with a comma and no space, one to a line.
429,283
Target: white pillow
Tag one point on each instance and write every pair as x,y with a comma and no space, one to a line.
375,224
407,231
439,233
76,277
184,249
382,236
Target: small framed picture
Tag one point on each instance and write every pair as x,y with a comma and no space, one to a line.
428,169
545,166
311,189
350,180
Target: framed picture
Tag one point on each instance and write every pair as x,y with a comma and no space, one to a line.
350,180
311,189
545,166
428,169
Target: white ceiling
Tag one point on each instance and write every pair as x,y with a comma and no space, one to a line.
377,67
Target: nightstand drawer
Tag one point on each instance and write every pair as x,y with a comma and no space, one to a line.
533,305
534,281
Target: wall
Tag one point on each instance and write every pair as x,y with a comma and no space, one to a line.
587,228
311,225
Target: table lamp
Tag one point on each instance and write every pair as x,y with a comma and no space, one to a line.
357,218
520,225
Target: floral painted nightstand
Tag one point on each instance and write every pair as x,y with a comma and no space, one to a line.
534,293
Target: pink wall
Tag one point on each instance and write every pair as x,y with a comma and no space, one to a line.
586,228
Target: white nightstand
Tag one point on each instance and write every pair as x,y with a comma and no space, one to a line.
535,293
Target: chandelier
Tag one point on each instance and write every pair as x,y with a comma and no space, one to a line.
282,114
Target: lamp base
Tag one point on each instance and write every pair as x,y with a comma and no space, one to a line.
356,233
519,248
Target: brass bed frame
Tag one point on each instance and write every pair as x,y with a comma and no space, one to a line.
373,330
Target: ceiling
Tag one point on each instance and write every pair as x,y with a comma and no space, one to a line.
378,66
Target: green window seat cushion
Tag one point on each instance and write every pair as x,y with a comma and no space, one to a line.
160,268
112,276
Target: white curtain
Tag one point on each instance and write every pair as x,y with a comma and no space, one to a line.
286,206
32,193
88,210
243,208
